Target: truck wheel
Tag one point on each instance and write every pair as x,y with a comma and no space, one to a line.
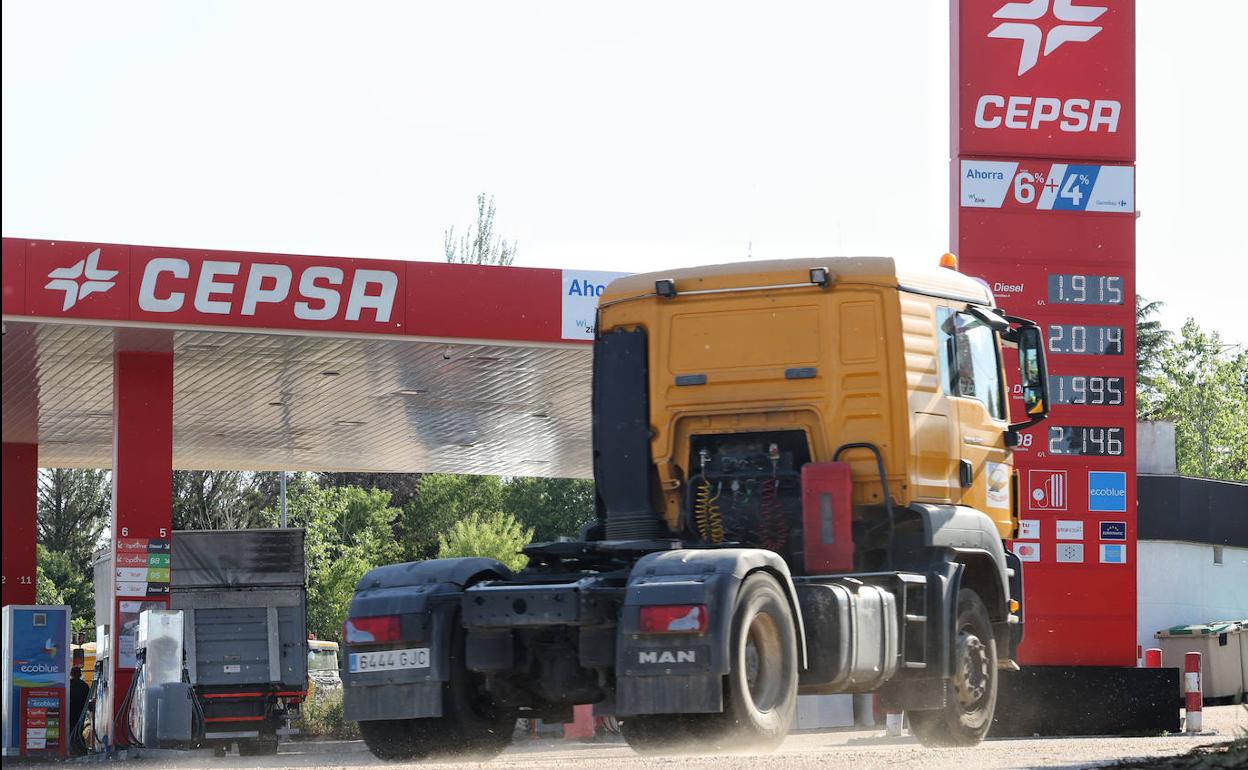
657,733
971,693
392,738
760,692
471,727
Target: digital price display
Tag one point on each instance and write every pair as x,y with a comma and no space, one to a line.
1081,339
1085,390
1086,440
1080,289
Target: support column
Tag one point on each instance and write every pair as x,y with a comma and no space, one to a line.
19,489
142,512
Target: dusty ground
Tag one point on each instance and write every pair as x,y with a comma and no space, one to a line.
856,750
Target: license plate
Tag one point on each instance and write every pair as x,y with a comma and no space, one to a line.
388,660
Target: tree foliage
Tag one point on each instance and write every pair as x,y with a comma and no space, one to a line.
550,508
1201,386
73,510
349,531
495,535
216,500
61,579
401,486
553,508
1151,340
441,500
479,245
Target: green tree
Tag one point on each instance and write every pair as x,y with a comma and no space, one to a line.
495,535
60,579
553,508
1151,340
401,486
441,500
216,500
348,531
73,511
1202,387
480,246
72,516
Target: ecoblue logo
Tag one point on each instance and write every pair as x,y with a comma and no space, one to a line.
1113,553
1107,491
1113,530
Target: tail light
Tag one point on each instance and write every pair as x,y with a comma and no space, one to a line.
380,628
674,619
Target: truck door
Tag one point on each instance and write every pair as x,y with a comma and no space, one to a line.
971,369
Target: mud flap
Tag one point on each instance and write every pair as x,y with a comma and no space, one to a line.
426,596
677,673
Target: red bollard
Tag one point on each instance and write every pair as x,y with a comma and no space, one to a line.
1191,690
1152,657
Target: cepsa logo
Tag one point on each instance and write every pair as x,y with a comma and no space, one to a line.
221,287
1033,72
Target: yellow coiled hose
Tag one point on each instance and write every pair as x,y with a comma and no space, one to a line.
707,514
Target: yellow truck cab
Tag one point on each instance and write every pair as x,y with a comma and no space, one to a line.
903,360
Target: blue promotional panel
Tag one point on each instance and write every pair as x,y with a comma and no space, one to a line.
1107,491
36,681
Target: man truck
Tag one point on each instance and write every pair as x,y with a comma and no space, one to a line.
804,485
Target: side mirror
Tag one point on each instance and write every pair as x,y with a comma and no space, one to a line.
1033,374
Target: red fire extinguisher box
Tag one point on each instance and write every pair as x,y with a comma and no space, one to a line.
827,491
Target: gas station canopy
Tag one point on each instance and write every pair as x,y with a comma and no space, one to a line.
303,363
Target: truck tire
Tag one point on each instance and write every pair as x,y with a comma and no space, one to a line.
971,693
650,734
471,726
760,691
393,738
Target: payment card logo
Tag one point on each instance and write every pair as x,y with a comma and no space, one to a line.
1027,551
1113,530
1047,490
1107,491
1113,553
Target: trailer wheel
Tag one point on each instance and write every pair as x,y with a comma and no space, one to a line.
971,693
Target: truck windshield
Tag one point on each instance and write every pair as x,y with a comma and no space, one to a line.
322,660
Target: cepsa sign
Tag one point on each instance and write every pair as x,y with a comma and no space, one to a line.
1044,78
311,294
184,286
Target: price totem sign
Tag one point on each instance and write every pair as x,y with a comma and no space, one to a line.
1044,213
36,661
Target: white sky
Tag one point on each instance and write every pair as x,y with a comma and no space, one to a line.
614,136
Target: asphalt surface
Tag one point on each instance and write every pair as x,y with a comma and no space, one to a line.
856,749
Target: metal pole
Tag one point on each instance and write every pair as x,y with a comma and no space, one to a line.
282,484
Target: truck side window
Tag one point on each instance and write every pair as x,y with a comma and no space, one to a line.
969,360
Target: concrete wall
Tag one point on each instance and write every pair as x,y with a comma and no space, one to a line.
1179,584
1155,448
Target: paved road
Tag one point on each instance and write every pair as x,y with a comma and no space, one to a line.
852,750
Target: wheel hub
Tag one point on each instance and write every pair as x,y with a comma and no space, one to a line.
970,681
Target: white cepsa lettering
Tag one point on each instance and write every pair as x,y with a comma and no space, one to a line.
1027,112
218,287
